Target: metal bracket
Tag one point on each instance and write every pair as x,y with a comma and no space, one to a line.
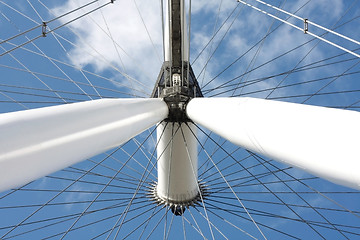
44,26
306,25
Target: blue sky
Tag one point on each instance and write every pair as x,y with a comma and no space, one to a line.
112,53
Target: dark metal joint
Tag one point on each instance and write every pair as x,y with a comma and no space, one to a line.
44,26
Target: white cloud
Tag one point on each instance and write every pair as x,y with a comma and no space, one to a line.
138,58
320,10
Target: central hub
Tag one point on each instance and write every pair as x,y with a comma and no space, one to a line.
176,87
176,97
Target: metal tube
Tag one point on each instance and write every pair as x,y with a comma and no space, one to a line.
319,140
37,142
177,163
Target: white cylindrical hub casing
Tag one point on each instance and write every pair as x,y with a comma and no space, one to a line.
177,163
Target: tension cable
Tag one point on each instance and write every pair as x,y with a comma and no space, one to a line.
305,28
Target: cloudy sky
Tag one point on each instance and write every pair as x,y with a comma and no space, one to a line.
117,51
130,40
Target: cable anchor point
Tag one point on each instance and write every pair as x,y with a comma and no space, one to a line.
44,26
306,26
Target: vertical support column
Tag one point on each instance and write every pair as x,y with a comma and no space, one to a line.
177,149
177,163
176,34
176,37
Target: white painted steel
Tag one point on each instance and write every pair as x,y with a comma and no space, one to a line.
34,143
177,163
322,141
